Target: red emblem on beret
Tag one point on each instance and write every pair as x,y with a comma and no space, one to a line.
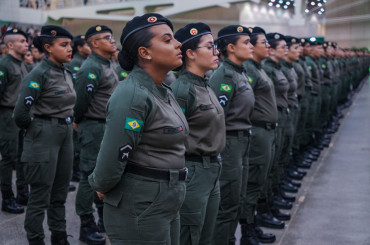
193,31
152,19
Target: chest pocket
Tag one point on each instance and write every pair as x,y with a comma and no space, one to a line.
172,130
280,78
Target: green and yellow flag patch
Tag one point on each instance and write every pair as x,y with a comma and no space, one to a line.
133,124
124,74
323,66
91,76
309,67
1,73
34,85
76,68
226,87
250,79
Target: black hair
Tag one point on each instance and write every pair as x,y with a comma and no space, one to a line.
192,45
254,38
40,41
128,56
223,42
76,44
274,43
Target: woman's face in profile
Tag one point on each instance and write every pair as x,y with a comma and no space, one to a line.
164,49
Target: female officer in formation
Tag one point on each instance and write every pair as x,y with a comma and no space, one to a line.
44,108
235,95
140,170
264,117
206,133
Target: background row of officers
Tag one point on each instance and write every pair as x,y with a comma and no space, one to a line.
176,138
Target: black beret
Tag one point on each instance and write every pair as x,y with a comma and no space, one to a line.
303,41
191,31
97,30
334,44
140,22
79,40
291,40
16,31
233,30
55,31
275,36
256,30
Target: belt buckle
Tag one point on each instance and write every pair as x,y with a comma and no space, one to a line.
68,120
186,173
249,132
288,110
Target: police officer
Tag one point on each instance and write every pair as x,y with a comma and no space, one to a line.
44,109
11,74
235,95
3,50
264,118
81,50
95,82
206,134
140,169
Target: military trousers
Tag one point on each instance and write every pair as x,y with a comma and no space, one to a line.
313,123
233,184
9,134
47,163
199,211
325,105
142,210
302,132
261,155
90,134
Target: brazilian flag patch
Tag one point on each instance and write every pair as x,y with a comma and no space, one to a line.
183,110
76,68
250,79
34,85
124,74
1,73
133,124
226,87
323,66
91,76
309,67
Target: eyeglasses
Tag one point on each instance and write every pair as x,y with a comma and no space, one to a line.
266,43
213,47
108,38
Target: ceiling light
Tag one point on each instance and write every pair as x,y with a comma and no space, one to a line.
278,5
270,4
312,3
306,11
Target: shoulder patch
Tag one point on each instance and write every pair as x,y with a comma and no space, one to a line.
89,87
310,68
222,99
133,124
91,76
28,101
226,87
124,152
323,66
1,73
250,79
123,74
76,68
34,85
183,110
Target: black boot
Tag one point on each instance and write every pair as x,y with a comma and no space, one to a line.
268,220
11,206
249,235
100,224
264,237
59,238
22,194
89,231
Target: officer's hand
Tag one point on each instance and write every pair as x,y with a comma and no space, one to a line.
100,195
75,126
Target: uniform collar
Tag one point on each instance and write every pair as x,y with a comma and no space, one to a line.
236,67
12,58
286,63
255,63
52,64
77,55
273,63
145,80
100,58
193,78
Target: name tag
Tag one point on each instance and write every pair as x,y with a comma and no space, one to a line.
170,130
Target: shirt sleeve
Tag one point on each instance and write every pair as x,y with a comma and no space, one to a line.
3,79
128,110
184,93
30,91
87,81
224,88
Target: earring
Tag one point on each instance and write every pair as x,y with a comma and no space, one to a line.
193,58
149,58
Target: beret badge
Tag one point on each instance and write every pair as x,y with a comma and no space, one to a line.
193,31
53,33
250,30
15,30
303,40
98,28
82,37
294,40
152,19
239,29
277,36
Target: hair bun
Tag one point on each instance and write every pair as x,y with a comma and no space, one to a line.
38,43
125,60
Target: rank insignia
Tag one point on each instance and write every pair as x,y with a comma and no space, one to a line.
124,152
222,99
133,124
76,68
28,101
91,76
34,85
226,88
89,87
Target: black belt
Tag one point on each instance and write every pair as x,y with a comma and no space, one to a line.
247,132
287,110
155,173
327,84
67,120
99,120
314,94
195,158
6,107
266,125
294,106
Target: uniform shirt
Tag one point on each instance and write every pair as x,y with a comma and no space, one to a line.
315,74
281,84
95,82
328,70
12,73
46,91
265,108
289,72
145,125
235,94
204,114
121,73
301,79
75,64
307,72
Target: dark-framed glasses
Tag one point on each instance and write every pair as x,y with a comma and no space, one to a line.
213,47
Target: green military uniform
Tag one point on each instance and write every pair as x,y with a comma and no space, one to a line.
235,95
75,64
281,85
11,74
44,108
95,82
140,163
205,141
121,73
327,82
264,118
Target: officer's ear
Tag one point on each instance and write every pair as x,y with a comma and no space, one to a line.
47,48
230,48
191,54
144,53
